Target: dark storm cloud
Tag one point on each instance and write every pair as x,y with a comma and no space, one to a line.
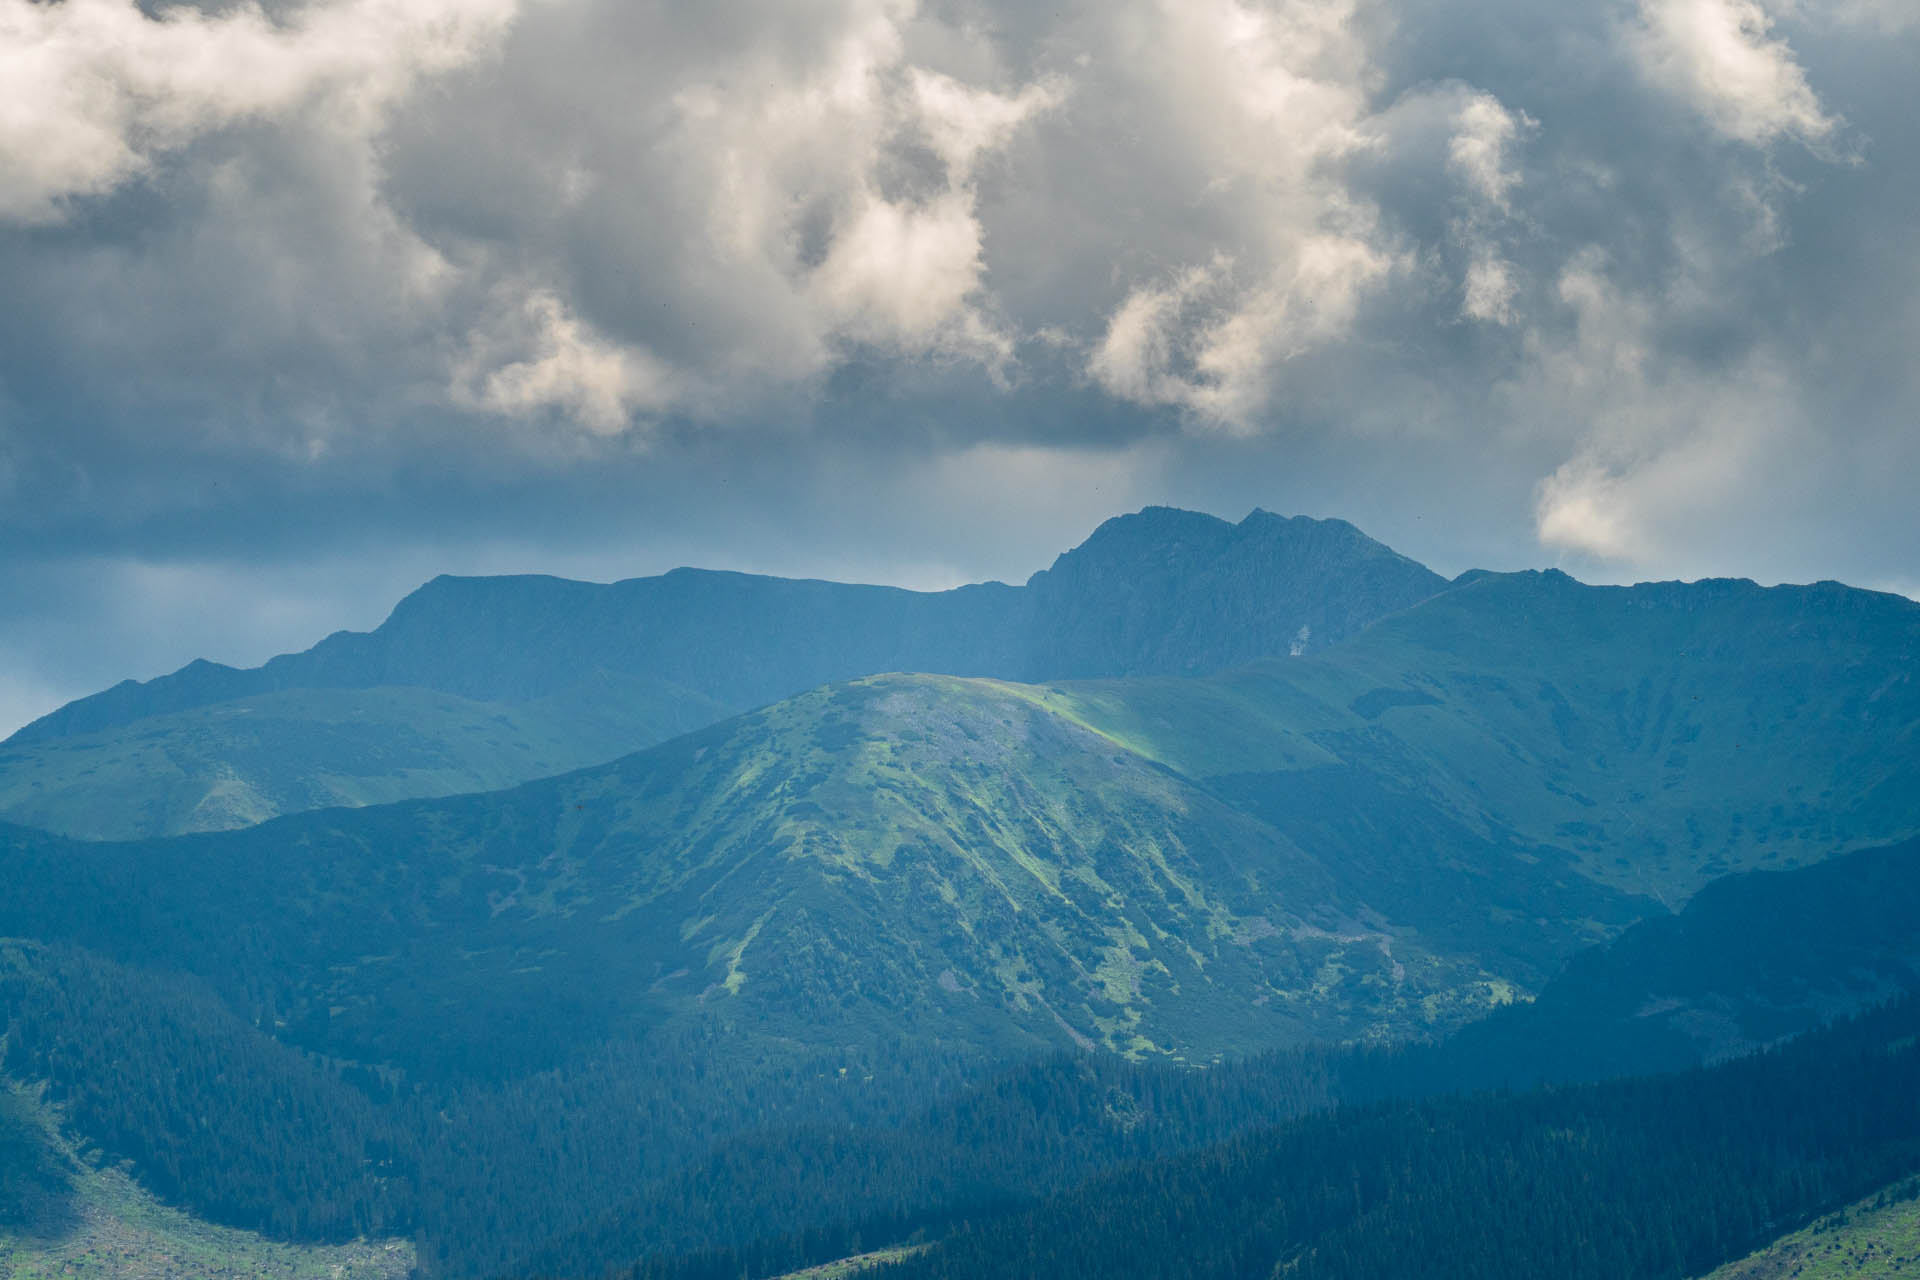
303,304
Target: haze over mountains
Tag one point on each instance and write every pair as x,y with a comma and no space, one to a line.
1199,791
517,678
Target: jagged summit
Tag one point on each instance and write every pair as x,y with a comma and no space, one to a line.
1172,592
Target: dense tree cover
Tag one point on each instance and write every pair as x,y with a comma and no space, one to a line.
507,1168
229,1122
220,1119
704,1137
776,1200
34,1180
1662,1176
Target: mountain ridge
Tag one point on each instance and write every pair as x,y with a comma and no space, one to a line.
479,683
976,629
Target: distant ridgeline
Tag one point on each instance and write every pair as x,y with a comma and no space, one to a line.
477,683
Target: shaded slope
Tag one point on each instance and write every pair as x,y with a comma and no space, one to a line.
1651,1177
1033,1131
1754,957
1380,838
1162,591
1648,738
1169,592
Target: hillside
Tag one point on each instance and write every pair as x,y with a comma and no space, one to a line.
1628,1180
902,854
239,762
656,998
842,1143
577,673
1621,1181
1754,958
1109,1174
1649,738
88,1219
1875,1238
1383,838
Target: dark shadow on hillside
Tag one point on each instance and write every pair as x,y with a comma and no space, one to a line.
36,1178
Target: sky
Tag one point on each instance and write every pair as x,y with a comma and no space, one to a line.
304,303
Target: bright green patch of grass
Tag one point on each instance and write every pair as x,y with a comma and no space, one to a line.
1878,1237
858,1264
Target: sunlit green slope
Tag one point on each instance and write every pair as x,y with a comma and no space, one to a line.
237,763
922,855
1877,1238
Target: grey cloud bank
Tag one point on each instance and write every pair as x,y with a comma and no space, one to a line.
300,304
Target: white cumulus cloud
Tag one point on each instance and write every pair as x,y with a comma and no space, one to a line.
1722,59
93,91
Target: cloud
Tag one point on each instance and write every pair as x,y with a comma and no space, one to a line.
1720,58
1665,446
545,358
1266,103
1633,285
96,91
905,273
1489,289
1480,151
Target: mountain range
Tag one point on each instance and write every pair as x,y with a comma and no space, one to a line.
479,683
545,892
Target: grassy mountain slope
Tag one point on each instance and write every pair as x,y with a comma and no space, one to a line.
1753,958
1384,837
1652,737
1876,1238
583,672
922,854
606,1138
240,762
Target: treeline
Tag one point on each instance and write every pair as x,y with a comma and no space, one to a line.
505,1169
707,1139
223,1119
1653,1177
218,1117
761,1156
779,1200
712,1156
35,1181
